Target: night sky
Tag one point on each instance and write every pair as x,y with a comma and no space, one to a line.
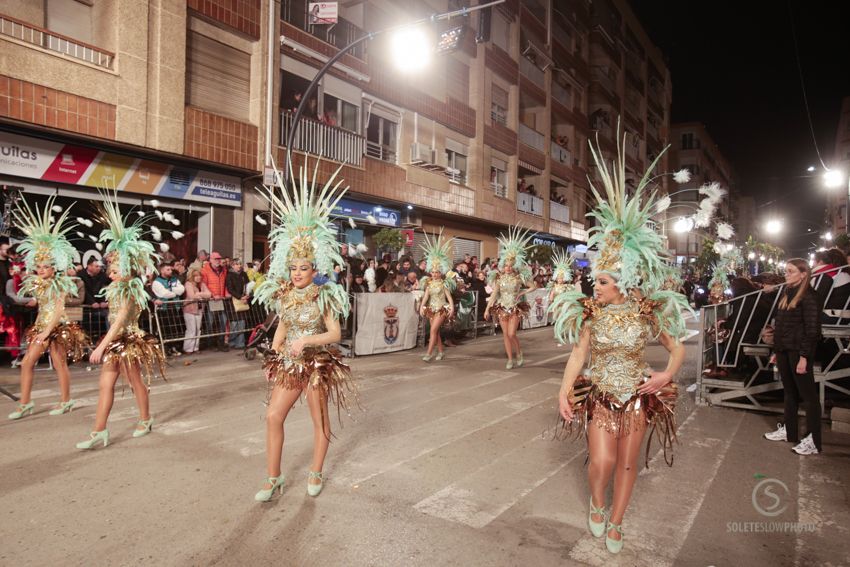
733,69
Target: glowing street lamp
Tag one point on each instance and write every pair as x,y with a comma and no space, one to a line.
773,226
411,49
833,178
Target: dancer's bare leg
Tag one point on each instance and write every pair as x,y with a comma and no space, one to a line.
318,402
108,377
34,352
60,363
280,403
602,448
628,451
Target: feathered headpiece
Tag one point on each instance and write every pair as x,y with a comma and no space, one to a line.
438,253
730,262
562,266
513,248
45,240
304,233
125,246
630,250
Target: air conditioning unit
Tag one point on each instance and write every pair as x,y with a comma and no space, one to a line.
422,154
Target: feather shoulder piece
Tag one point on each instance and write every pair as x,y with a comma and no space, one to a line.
571,309
665,310
53,288
334,299
130,291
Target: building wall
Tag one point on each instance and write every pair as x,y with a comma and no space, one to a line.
839,199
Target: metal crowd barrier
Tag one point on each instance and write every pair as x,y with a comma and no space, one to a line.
225,321
734,367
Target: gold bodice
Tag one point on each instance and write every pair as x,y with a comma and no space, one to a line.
299,311
48,302
618,337
131,323
508,286
559,288
436,294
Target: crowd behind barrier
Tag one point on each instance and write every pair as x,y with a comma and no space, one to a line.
735,369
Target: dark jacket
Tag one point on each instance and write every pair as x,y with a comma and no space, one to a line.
798,329
236,283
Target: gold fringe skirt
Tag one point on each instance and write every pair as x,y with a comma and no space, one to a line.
140,350
500,312
449,314
321,369
69,336
655,412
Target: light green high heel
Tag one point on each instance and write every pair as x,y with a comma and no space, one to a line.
64,407
519,360
440,356
315,489
23,409
94,437
427,358
147,428
266,494
614,545
509,365
596,528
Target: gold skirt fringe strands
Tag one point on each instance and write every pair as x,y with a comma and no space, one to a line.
444,310
500,312
321,369
69,336
137,349
655,412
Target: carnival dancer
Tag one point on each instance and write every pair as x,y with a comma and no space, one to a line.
125,349
621,397
437,303
302,360
562,275
506,302
47,256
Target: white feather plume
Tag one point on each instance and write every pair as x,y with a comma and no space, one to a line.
712,191
164,247
682,176
93,238
725,231
167,216
362,248
140,213
719,248
99,246
371,219
175,221
177,235
56,209
663,204
80,234
702,219
158,214
351,223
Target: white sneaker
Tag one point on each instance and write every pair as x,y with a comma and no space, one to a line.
806,446
778,435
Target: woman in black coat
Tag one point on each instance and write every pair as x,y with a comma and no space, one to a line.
795,338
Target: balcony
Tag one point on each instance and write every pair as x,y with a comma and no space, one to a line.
499,190
533,72
379,151
530,204
603,76
561,94
559,212
561,154
49,40
315,138
532,138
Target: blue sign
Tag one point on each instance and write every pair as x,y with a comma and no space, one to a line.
361,211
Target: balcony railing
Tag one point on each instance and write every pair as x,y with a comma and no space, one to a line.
561,94
456,176
559,212
533,72
339,35
499,190
381,152
529,204
603,76
47,39
532,138
561,154
318,139
652,130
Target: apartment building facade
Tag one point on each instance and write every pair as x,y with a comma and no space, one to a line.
694,149
839,198
181,103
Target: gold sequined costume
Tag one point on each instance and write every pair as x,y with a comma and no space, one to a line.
607,396
316,367
67,334
437,302
506,302
133,347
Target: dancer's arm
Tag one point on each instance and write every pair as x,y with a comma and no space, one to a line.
658,380
332,335
279,335
493,297
424,301
54,320
114,329
449,299
574,367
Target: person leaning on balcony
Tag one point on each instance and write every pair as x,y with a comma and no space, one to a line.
193,311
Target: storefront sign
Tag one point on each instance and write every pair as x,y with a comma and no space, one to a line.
35,158
362,211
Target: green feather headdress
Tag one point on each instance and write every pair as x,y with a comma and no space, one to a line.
730,262
125,244
45,240
513,248
562,266
438,253
629,249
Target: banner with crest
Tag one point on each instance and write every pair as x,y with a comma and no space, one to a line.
538,300
386,322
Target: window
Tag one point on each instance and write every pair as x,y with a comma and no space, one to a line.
71,18
339,113
499,105
218,77
498,178
456,166
381,138
457,80
500,31
687,141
